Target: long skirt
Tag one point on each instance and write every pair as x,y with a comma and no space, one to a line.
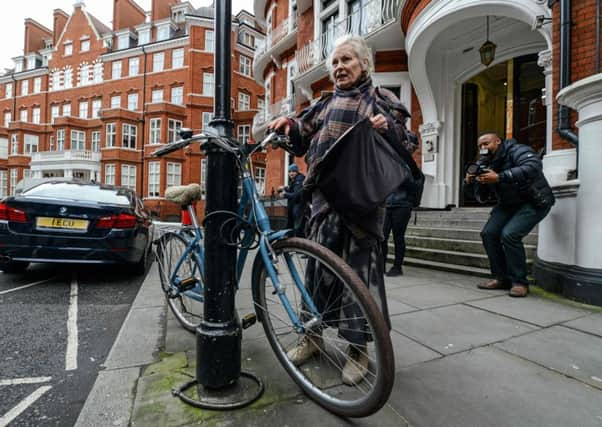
365,258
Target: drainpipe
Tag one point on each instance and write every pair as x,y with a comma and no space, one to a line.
143,122
564,128
598,36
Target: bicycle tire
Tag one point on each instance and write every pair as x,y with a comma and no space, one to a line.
170,247
329,392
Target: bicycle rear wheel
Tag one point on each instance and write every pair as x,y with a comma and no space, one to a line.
185,303
346,311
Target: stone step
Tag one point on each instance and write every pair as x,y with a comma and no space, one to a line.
480,215
463,269
457,245
469,224
450,257
457,233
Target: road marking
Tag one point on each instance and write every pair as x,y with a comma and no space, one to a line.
30,380
26,286
7,418
71,354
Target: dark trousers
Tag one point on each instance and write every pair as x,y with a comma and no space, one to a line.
503,236
396,220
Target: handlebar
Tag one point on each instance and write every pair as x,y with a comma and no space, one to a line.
273,138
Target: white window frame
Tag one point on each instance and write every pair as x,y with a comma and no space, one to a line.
158,62
67,109
116,70
163,32
14,144
13,180
8,117
134,66
209,41
244,101
37,85
31,143
95,141
60,139
84,45
111,135
173,126
98,71
24,87
155,131
174,174
23,115
154,179
244,65
133,101
206,117
35,115
78,140
116,101
208,84
260,179
177,95
83,109
244,133
128,176
68,78
110,174
129,136
3,183
8,92
177,58
157,95
68,49
96,107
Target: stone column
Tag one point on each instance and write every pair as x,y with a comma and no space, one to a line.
585,279
545,61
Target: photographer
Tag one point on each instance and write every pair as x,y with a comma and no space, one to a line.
295,205
515,174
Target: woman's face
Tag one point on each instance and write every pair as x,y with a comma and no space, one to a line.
346,67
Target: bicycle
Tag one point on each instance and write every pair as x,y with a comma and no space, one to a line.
287,274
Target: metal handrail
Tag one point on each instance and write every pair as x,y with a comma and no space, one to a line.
273,37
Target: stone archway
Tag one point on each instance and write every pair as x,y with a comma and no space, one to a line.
437,69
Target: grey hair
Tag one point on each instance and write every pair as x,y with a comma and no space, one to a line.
360,48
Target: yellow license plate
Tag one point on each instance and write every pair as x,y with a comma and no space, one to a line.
66,223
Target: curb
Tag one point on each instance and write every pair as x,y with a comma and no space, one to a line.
111,399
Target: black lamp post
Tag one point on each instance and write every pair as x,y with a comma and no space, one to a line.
487,51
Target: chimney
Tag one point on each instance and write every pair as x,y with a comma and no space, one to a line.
162,9
59,21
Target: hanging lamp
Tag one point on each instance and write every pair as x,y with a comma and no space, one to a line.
487,51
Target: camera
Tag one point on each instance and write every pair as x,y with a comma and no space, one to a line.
481,166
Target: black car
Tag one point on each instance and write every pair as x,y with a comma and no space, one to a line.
74,222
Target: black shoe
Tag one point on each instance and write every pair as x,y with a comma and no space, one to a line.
395,271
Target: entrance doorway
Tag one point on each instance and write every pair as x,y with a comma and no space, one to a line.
507,99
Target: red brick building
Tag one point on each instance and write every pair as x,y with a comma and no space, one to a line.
547,54
93,102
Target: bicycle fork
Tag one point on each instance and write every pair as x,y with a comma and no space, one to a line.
269,260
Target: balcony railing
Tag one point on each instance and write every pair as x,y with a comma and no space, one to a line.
362,22
86,155
280,108
274,36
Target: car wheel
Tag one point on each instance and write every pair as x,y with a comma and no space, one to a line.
141,266
13,266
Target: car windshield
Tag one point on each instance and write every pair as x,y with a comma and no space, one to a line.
79,192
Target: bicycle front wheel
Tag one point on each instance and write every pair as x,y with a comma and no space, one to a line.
186,302
345,326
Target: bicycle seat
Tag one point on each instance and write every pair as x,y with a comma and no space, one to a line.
183,194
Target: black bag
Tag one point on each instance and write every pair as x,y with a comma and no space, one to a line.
359,171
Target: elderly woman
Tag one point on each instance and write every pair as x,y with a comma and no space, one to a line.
318,127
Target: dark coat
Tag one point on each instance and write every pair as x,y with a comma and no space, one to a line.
404,196
521,178
293,192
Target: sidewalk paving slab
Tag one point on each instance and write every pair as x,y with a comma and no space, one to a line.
457,328
488,387
434,295
531,309
575,354
591,324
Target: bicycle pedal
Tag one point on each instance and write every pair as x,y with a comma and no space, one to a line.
249,320
187,284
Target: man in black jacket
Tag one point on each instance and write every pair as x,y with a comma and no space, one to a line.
295,204
399,206
524,198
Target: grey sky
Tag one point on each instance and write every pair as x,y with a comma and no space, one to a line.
13,17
